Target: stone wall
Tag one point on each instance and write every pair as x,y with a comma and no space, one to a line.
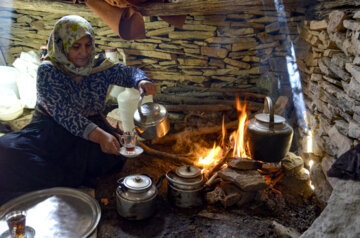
210,49
329,64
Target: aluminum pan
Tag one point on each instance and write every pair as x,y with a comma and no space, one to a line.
56,212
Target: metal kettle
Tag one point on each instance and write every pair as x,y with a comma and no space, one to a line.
136,196
185,186
268,136
151,120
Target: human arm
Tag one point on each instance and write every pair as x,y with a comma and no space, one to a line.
127,76
108,143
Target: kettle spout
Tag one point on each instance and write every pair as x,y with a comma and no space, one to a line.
160,181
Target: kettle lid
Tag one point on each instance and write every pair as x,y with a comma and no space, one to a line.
265,117
188,171
137,182
150,114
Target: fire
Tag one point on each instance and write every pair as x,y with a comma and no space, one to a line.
210,157
238,136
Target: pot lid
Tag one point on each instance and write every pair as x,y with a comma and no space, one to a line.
150,114
137,182
265,117
188,171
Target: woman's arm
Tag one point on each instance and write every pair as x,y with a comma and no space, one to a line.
108,143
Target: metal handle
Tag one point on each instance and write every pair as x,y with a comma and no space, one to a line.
139,104
269,104
121,187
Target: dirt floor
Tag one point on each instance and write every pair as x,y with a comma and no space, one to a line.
254,220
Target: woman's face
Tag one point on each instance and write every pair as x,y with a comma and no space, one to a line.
80,51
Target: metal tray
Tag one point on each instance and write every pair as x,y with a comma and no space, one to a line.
56,212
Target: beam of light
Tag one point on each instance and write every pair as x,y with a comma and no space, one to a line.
5,30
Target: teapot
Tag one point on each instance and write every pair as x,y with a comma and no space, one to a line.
136,196
151,120
268,136
185,186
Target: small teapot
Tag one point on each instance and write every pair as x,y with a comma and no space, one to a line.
151,120
185,186
136,196
268,136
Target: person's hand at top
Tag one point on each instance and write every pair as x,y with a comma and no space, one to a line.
146,88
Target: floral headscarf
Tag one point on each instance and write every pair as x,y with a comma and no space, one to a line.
67,31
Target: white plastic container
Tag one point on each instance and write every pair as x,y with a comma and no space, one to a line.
128,101
8,77
113,55
10,106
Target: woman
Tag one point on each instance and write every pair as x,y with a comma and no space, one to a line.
66,143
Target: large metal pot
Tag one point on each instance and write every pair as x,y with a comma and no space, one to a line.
268,136
151,120
185,186
136,197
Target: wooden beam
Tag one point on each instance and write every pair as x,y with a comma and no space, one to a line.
51,6
182,7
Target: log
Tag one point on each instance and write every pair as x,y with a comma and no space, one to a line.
174,99
174,157
194,132
183,7
200,108
248,89
221,94
51,6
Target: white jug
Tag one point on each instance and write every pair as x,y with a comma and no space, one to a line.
128,103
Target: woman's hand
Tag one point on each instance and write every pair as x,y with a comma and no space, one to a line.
108,143
146,88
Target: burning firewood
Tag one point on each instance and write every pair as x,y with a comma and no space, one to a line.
194,132
174,157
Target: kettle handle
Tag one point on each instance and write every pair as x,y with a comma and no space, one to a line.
139,104
121,187
269,104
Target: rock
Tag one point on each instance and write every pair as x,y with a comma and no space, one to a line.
238,64
230,200
246,197
318,25
342,126
247,180
341,60
352,88
336,70
292,163
352,25
322,188
354,71
302,175
336,19
215,196
354,129
326,164
285,232
217,52
244,164
340,218
339,141
201,35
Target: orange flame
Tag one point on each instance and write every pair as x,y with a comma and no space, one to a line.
211,157
238,137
